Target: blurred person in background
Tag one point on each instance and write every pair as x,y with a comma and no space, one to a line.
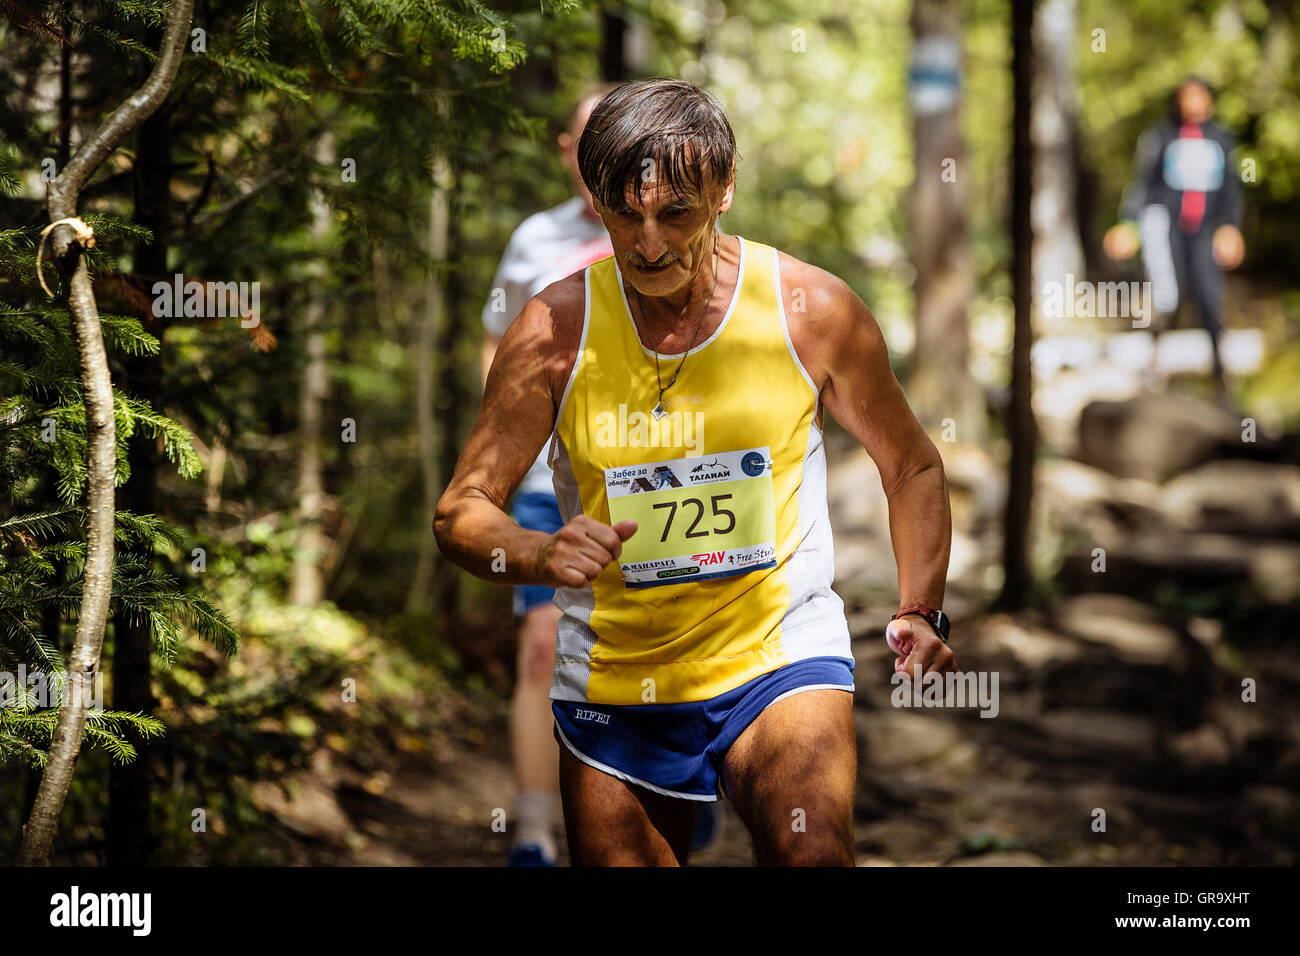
1183,210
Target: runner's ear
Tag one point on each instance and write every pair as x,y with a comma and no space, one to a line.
727,195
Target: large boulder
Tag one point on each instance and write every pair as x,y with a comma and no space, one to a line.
1210,566
1255,498
1155,436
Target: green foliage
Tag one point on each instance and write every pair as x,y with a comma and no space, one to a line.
311,686
45,417
1272,391
33,548
243,123
42,545
22,726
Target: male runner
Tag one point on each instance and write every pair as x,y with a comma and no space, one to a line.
701,645
1183,209
546,246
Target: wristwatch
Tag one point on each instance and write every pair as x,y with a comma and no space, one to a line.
938,620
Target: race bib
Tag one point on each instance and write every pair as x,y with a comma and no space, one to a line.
1194,165
704,517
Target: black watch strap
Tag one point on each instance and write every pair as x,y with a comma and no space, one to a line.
938,620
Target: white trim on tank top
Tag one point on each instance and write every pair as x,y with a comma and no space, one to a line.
735,298
785,329
577,361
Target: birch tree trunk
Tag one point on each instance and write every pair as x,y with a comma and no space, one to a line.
1058,251
426,339
101,433
307,587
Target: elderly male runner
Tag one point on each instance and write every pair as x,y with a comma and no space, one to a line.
701,645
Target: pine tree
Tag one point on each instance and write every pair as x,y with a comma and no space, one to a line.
255,58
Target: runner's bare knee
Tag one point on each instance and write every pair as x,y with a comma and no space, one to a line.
537,645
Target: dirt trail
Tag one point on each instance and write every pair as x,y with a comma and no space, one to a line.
1121,735
936,787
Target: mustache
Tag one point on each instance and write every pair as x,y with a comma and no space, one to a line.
637,260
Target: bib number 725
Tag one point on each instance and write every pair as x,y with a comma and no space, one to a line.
723,504
686,503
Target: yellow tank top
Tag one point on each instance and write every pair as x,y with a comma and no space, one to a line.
729,574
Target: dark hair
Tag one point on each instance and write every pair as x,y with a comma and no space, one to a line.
1175,112
672,122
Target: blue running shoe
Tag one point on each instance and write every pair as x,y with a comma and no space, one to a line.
528,854
708,826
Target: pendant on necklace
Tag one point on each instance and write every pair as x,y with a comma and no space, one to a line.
658,411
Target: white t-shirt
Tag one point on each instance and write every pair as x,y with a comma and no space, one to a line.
546,247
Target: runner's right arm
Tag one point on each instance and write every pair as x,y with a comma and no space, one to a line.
516,418
487,353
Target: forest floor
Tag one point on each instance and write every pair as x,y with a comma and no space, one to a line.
936,787
1121,735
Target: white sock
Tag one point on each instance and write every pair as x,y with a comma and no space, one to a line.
535,816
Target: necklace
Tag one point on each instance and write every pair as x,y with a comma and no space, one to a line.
658,411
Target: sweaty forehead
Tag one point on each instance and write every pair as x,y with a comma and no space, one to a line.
651,194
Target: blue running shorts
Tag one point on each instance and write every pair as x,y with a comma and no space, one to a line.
536,511
678,749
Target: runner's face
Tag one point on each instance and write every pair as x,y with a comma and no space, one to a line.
661,238
1195,103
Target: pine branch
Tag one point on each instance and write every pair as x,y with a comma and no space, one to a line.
39,524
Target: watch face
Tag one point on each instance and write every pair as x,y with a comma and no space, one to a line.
941,624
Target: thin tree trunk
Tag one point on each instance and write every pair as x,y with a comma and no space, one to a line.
383,288
216,469
101,433
52,616
427,329
613,46
457,378
65,105
1058,251
941,386
1020,425
308,583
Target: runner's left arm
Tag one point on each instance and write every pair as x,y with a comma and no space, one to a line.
850,365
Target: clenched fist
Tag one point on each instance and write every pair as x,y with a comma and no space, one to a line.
576,554
1228,247
920,650
1122,241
